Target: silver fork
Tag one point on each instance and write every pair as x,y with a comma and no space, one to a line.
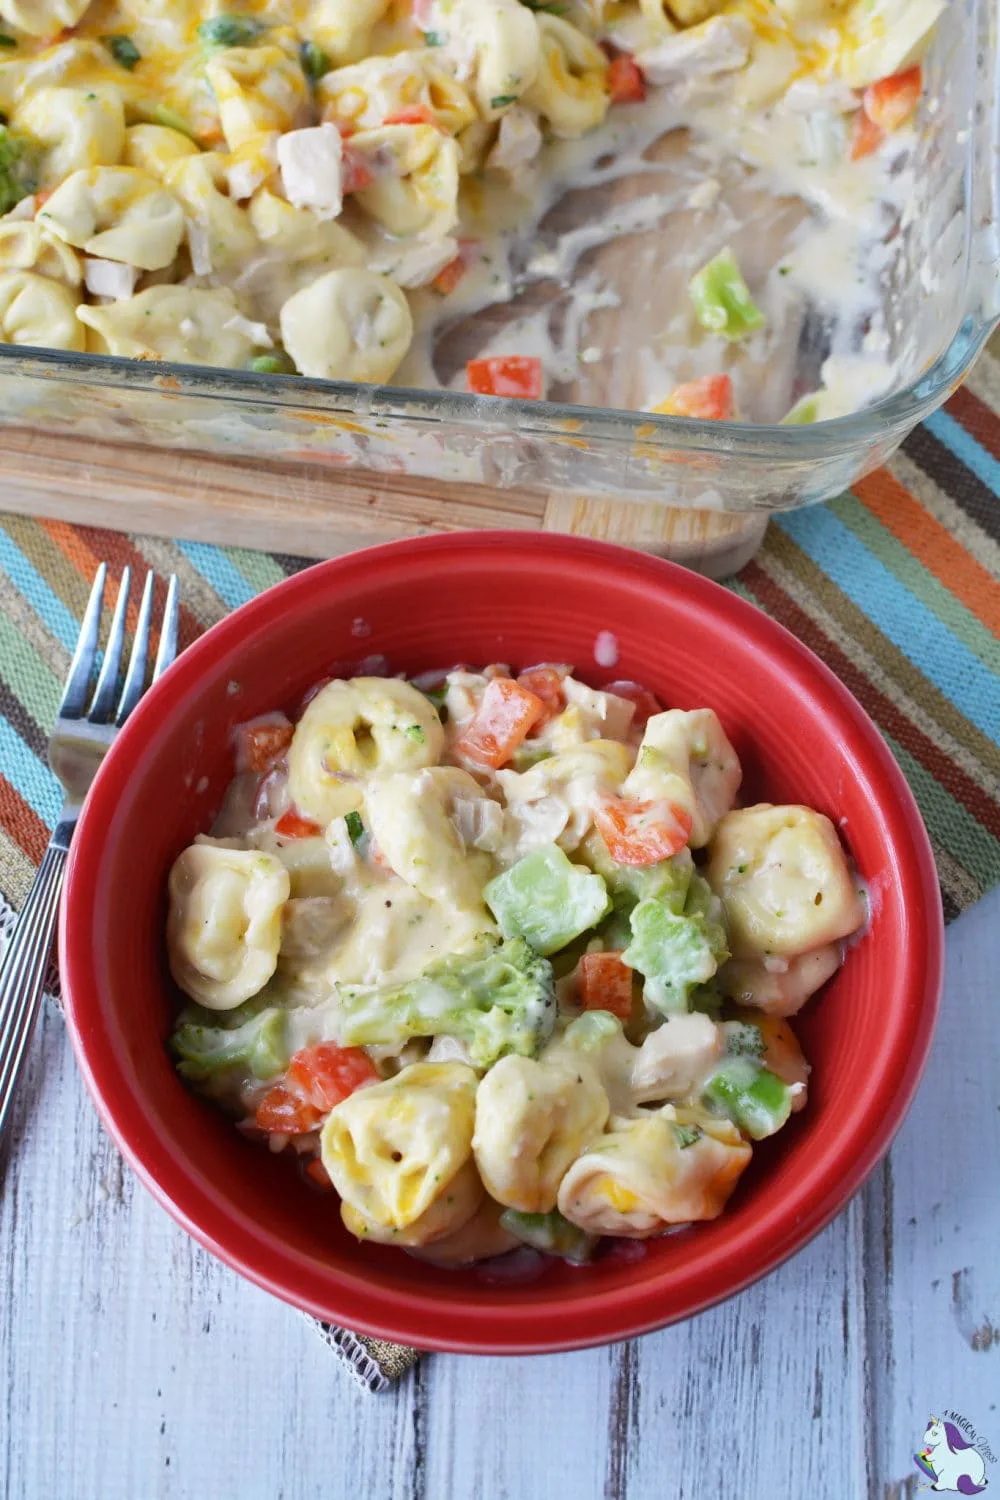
78,744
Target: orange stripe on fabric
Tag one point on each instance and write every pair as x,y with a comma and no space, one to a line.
21,822
87,546
977,418
930,543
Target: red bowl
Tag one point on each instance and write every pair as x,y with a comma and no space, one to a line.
483,597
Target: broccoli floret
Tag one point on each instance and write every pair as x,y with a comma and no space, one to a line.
251,1037
550,1233
677,951
18,169
497,999
547,899
230,31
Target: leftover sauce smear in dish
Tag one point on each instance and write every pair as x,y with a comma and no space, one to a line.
323,186
501,960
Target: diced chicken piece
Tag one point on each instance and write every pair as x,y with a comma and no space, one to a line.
109,278
720,45
198,248
518,142
479,822
255,332
675,1058
311,169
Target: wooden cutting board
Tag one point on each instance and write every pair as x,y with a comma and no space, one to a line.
310,510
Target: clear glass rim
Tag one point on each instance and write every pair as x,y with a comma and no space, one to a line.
542,419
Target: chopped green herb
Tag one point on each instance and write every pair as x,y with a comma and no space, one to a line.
314,61
415,733
503,99
123,50
355,827
277,363
433,39
230,31
7,41
686,1135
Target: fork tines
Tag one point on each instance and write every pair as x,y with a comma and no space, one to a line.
103,708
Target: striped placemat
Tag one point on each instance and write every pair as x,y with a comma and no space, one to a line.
896,586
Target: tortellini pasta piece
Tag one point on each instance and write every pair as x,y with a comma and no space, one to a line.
38,312
415,190
779,986
182,324
394,1148
154,148
220,235
676,1166
882,37
783,879
26,246
257,89
686,758
447,1216
352,730
76,127
43,17
117,213
480,1239
364,95
224,925
410,816
533,1119
496,43
350,324
342,30
571,90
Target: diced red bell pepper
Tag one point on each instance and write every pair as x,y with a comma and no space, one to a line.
506,375
263,744
316,1079
318,1174
626,83
355,171
413,114
505,714
865,138
292,826
606,984
642,833
449,276
710,398
547,684
646,704
890,102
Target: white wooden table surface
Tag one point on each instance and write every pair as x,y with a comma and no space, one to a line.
133,1366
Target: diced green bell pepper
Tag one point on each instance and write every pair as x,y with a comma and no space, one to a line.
546,899
757,1101
722,300
550,1233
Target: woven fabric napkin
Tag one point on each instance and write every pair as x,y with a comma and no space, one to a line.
896,586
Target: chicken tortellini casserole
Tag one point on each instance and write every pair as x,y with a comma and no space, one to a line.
501,960
296,186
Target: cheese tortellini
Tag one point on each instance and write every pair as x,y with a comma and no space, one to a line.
257,89
686,758
411,817
117,213
676,1166
783,879
224,926
351,324
533,1119
570,91
26,246
182,324
38,312
352,730
42,17
394,1149
77,127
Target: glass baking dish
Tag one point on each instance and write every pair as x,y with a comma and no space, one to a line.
940,291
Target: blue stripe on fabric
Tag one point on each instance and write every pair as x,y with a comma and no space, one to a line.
32,586
965,448
28,775
214,566
911,627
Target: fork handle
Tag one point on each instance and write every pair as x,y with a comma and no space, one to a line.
22,974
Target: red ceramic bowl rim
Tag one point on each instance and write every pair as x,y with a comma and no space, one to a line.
420,1315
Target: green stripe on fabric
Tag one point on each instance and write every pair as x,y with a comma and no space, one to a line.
258,568
27,675
914,576
967,841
